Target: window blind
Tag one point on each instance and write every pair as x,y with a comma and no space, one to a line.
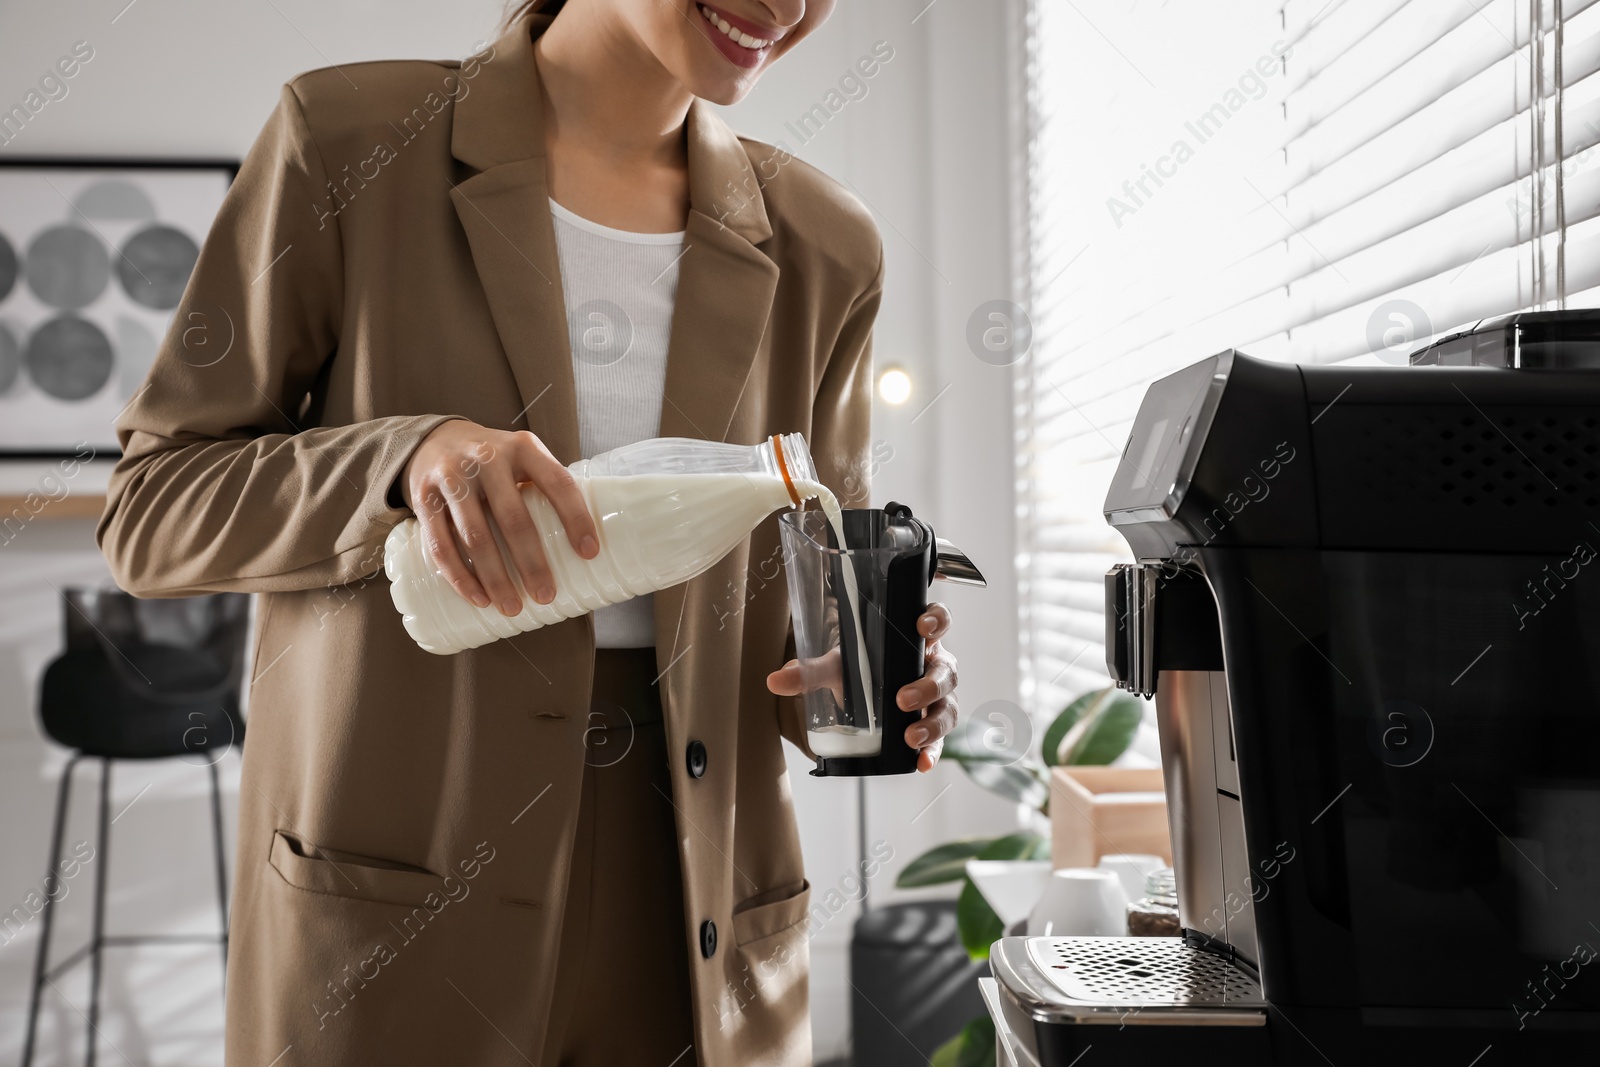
1307,180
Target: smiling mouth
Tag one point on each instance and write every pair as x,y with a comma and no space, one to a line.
733,33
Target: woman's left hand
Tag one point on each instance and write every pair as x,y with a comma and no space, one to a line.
934,693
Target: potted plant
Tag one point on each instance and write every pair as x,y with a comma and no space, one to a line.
1094,729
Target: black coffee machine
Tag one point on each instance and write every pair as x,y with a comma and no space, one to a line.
1367,603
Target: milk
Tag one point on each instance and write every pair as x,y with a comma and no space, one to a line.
655,530
839,739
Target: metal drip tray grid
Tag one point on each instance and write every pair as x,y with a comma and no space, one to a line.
1141,972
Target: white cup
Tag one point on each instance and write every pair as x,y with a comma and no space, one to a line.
1081,902
1132,867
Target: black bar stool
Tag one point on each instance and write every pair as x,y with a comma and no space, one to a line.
139,680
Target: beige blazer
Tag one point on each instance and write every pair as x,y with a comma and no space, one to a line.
386,261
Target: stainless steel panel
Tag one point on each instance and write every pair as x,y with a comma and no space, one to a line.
1188,767
1222,735
1237,880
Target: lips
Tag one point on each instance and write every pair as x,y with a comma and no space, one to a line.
741,42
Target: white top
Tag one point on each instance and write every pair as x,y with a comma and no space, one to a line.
620,288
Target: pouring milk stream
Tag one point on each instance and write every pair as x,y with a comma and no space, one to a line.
666,510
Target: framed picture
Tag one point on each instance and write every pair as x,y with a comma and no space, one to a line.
94,257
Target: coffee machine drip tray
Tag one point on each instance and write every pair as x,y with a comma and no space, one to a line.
1124,981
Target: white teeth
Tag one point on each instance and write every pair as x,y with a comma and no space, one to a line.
738,37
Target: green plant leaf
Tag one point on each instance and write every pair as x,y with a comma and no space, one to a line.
1050,744
1100,739
977,1045
972,1047
980,926
1022,782
946,863
949,1053
1018,846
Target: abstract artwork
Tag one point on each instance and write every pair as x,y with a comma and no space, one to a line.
94,258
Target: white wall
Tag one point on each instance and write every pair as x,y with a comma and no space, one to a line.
926,148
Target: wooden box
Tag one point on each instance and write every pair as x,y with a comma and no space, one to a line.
1102,811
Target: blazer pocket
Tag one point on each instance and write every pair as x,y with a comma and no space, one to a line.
344,874
752,923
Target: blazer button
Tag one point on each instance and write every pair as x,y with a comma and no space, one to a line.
696,757
708,939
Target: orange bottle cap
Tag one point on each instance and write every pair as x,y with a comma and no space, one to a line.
783,468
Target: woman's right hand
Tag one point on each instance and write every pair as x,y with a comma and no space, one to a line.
462,478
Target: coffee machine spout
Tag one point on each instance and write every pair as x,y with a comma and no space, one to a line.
950,564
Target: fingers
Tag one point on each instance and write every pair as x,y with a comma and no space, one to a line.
934,692
928,735
938,681
466,477
439,538
785,681
561,489
934,725
521,535
934,623
795,678
477,537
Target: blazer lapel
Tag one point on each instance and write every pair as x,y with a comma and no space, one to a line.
504,209
725,285
725,290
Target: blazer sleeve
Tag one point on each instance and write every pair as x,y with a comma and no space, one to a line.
219,488
840,440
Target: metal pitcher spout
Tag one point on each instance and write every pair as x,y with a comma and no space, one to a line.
953,565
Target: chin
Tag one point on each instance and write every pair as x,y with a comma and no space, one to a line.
721,90
703,71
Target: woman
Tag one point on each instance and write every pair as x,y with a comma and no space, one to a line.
541,850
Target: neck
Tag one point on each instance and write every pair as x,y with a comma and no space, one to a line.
605,90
